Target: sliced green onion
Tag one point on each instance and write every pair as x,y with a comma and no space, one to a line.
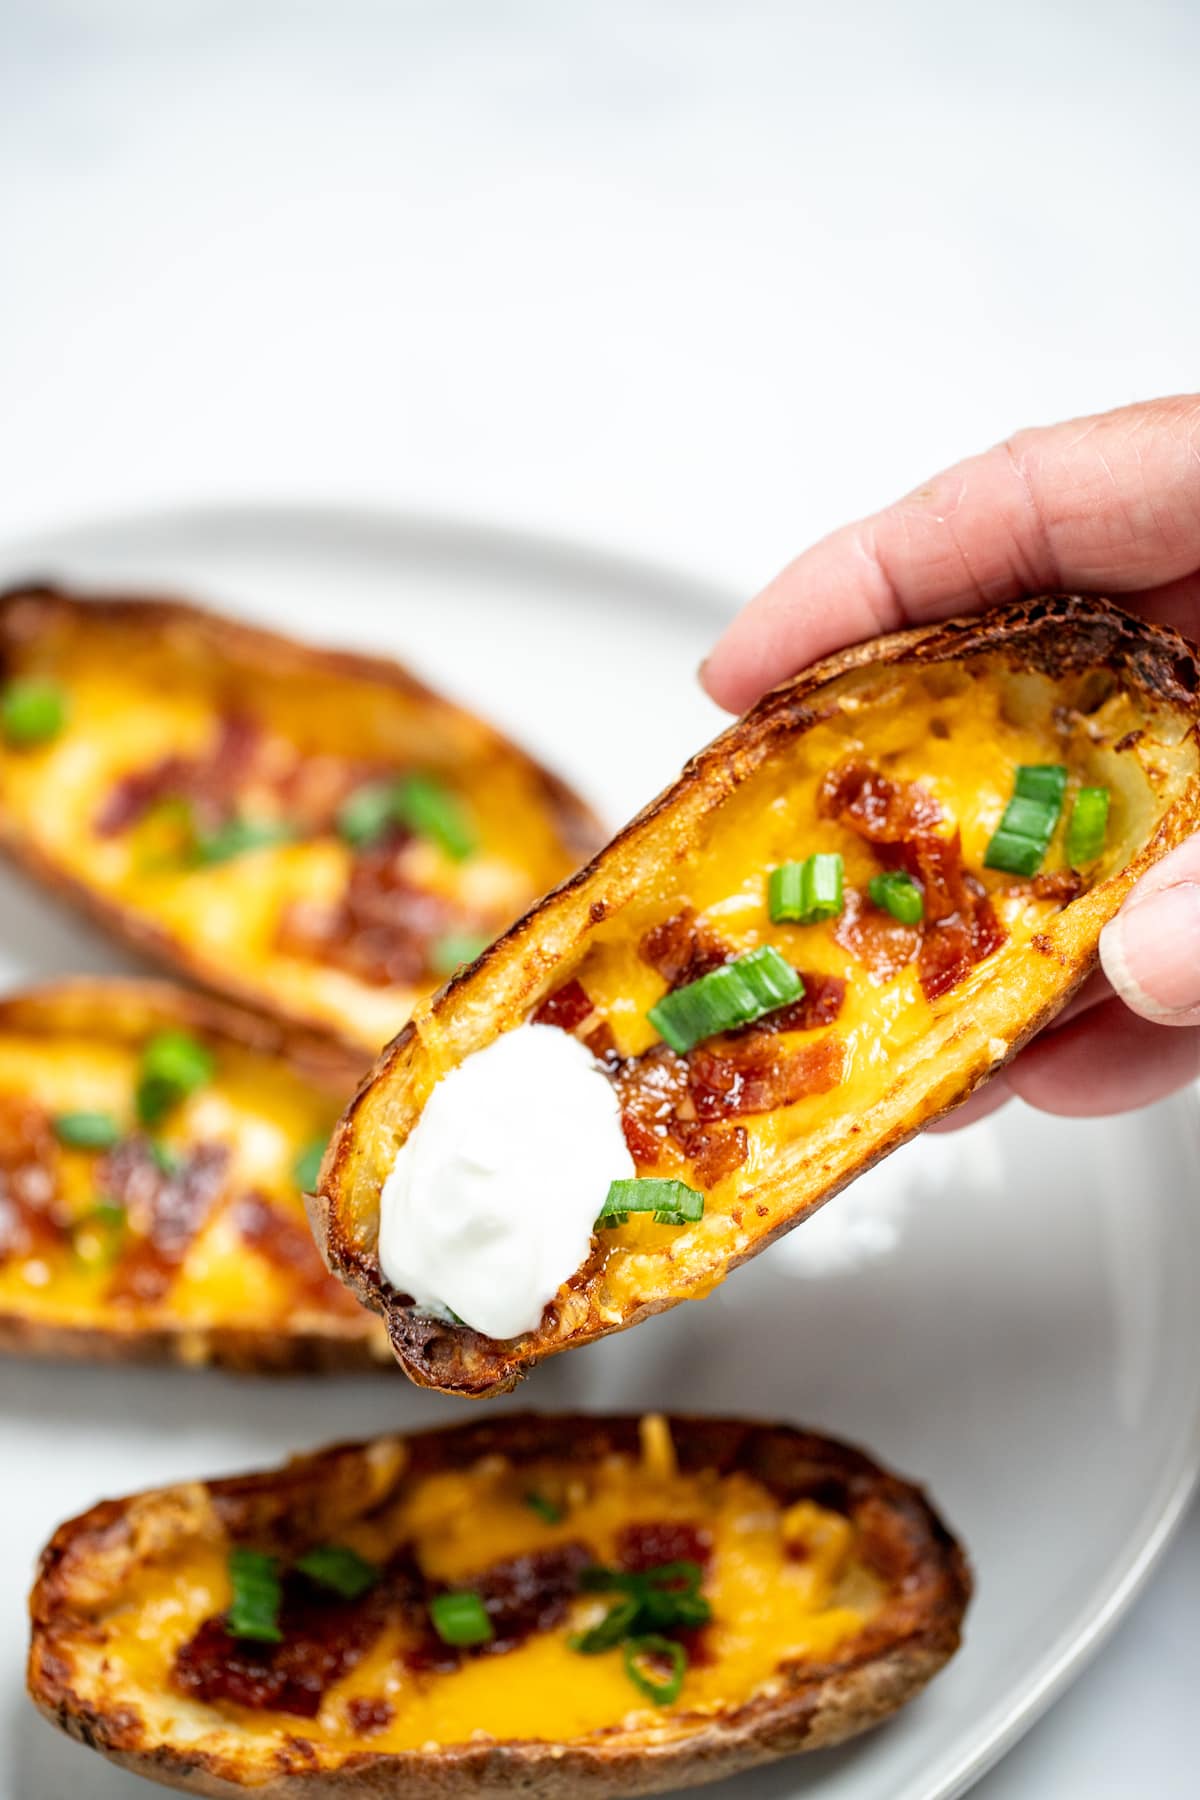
617,1623
32,711
735,994
1023,835
1088,826
338,1567
666,1597
168,1161
898,894
449,953
235,838
802,893
545,1508
420,802
461,1619
307,1167
257,1597
173,1066
86,1130
660,1691
671,1202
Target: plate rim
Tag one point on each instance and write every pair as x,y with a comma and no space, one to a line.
447,533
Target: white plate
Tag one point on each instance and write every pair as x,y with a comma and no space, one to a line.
1006,1313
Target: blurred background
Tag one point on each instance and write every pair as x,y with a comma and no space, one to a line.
693,281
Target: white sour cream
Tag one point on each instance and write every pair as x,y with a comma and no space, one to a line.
491,1201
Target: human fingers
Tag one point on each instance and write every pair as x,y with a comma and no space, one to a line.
1104,504
1151,950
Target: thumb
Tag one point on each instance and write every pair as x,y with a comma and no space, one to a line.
1151,950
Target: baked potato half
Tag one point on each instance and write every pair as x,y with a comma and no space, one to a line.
550,1606
153,1148
968,803
313,833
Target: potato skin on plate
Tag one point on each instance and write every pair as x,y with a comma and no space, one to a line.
898,753
96,1676
185,1242
311,832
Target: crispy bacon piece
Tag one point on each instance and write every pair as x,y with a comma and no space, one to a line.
567,1007
898,818
881,943
368,1715
647,1544
383,926
1063,885
755,1077
285,1243
210,782
682,950
165,1211
324,1637
521,1595
29,1195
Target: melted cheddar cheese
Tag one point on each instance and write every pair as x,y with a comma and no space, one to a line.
785,1585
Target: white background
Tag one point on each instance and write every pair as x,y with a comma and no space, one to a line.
698,281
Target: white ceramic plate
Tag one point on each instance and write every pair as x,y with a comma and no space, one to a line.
1007,1313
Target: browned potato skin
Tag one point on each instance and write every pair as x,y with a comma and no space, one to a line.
114,1008
1055,635
875,1674
33,609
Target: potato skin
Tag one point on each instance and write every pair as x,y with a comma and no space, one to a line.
37,610
884,1667
1058,636
117,1008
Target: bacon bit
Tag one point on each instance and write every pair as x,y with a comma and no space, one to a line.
382,928
165,1212
647,1545
1063,885
874,938
713,1153
324,1637
521,1595
756,1077
898,818
29,1194
820,1004
367,1716
282,1241
210,782
567,1007
680,950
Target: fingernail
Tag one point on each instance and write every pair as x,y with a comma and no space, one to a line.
1151,952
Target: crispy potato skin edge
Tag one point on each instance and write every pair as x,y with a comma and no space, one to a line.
253,646
832,1704
118,1007
1055,635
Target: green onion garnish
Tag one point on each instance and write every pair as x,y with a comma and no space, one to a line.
461,1619
802,893
257,1596
660,1691
1087,826
32,711
173,1066
307,1167
419,802
616,1624
338,1567
235,838
735,994
545,1508
457,947
86,1130
898,894
168,1161
671,1202
1023,835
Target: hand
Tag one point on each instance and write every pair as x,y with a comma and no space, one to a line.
1108,505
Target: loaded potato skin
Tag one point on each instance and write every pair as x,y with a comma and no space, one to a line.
986,791
313,833
551,1606
154,1145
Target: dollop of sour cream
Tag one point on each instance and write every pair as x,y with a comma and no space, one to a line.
490,1204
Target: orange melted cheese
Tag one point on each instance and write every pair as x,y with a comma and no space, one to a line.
783,1583
133,702
261,1111
954,734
